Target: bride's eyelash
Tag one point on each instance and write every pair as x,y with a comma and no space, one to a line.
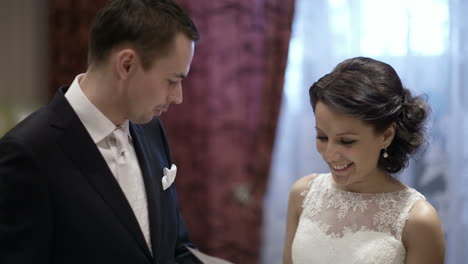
347,142
342,141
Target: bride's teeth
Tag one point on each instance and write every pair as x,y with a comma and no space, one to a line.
340,167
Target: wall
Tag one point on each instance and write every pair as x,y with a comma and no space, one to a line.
23,51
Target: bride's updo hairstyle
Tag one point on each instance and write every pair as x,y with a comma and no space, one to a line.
371,91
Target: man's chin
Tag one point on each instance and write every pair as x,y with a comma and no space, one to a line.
143,120
157,113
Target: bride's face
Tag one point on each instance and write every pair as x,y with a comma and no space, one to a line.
350,147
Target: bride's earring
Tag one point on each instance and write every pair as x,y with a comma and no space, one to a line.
385,154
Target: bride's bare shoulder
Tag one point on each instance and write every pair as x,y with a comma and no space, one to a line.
302,184
297,194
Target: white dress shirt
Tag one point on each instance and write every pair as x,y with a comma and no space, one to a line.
100,128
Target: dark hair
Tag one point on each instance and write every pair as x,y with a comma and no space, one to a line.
371,91
149,25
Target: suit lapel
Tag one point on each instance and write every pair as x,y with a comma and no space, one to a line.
79,146
151,166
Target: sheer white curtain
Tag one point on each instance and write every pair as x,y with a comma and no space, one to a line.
426,41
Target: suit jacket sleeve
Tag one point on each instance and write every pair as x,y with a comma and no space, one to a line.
182,255
25,213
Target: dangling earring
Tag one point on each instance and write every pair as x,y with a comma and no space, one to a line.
385,154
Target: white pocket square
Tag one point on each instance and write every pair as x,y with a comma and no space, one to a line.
169,176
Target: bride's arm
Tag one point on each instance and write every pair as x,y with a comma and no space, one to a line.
423,236
294,211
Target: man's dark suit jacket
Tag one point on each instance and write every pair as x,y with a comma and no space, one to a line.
60,203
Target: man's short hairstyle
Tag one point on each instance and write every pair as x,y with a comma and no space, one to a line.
148,25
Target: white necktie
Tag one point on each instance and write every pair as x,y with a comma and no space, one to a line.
130,182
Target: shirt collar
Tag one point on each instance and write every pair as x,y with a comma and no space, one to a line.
95,122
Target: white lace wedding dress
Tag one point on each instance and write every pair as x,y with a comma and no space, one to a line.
344,227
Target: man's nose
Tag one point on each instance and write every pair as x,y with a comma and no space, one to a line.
177,97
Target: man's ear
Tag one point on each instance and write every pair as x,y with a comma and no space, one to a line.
388,135
125,63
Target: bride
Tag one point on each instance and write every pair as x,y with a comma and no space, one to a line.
367,126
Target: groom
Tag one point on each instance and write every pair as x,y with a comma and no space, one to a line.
89,177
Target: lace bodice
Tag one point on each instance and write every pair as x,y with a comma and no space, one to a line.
344,227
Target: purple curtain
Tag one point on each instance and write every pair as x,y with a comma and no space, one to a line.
222,135
69,22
